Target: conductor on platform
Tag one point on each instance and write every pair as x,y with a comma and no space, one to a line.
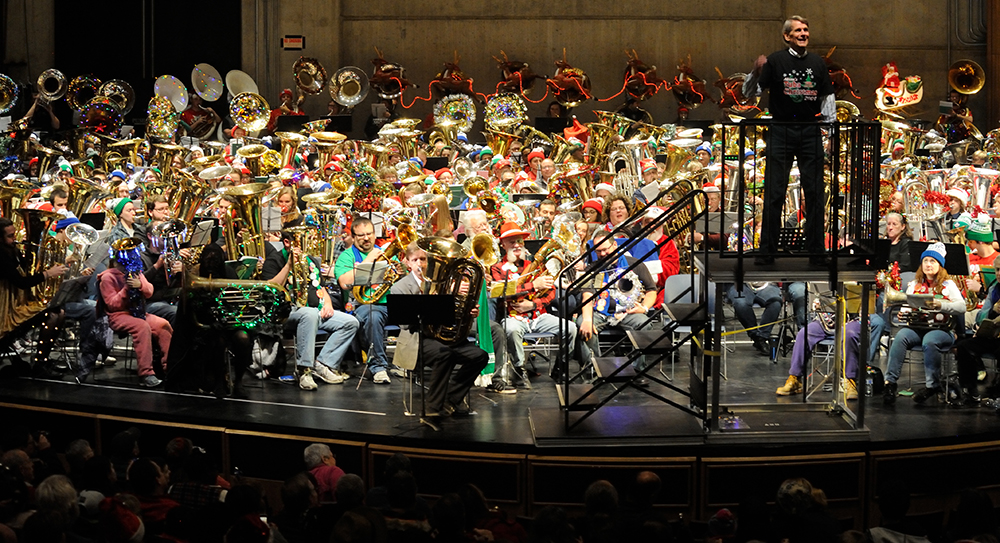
801,94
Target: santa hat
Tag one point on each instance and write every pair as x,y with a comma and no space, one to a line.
710,187
936,251
654,212
577,131
596,204
647,164
331,166
604,186
959,194
119,523
285,92
510,229
535,154
244,170
442,171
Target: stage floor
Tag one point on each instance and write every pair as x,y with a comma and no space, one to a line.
510,422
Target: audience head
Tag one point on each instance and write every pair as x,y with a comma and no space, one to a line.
147,478
798,495
299,493
56,494
601,497
316,455
350,491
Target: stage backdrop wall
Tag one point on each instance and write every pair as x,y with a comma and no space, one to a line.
422,34
921,36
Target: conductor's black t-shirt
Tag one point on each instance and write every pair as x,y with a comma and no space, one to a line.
796,85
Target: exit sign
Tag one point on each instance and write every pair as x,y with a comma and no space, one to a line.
293,43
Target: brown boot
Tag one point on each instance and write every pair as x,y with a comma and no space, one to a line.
792,386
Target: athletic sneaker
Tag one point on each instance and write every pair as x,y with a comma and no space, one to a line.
397,372
150,381
381,378
326,374
306,381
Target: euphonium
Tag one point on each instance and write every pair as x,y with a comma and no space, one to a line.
127,148
408,142
618,123
51,85
473,186
165,154
450,271
405,235
246,207
167,238
12,196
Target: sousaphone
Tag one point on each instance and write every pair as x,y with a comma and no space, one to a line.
51,85
172,89
240,82
119,92
206,82
82,89
310,75
349,86
8,94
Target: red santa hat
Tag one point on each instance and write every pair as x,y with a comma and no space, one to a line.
535,154
710,187
605,186
596,204
442,171
958,193
577,131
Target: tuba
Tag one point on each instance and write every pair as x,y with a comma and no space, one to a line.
290,142
448,269
966,76
42,250
252,155
349,86
51,85
246,207
304,238
84,195
227,304
310,75
499,142
82,235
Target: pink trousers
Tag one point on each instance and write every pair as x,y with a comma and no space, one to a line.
142,331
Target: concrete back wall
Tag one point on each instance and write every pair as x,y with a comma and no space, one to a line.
422,35
921,36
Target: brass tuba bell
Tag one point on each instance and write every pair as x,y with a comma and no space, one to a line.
349,86
966,76
310,75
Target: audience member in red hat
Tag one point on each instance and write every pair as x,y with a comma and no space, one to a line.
119,524
527,311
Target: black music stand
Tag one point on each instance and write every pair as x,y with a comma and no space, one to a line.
367,275
421,310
